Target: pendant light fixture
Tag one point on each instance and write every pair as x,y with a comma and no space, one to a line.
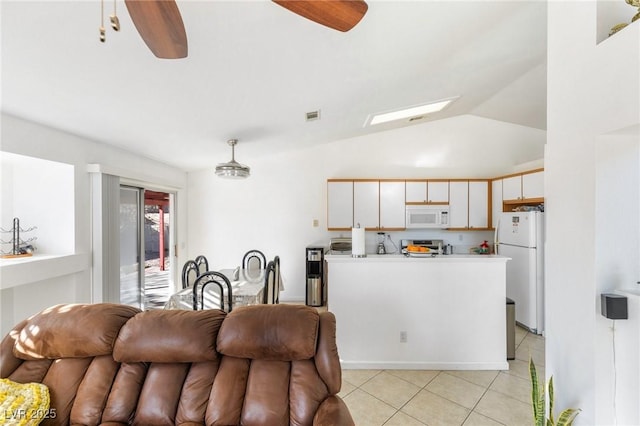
232,169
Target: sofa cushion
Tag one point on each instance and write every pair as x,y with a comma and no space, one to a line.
270,332
169,336
72,331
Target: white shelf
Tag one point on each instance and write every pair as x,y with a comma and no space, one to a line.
16,272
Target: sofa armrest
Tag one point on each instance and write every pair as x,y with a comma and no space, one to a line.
333,412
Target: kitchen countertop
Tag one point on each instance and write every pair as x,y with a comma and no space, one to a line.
402,258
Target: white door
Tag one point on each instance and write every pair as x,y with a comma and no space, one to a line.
522,284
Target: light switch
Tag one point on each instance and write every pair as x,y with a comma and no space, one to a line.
315,223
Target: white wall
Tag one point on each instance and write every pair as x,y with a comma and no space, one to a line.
40,194
593,116
33,140
273,210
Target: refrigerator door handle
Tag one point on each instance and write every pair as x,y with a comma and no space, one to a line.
495,237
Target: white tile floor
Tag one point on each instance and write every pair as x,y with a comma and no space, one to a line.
435,398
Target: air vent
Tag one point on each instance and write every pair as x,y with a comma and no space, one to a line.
313,115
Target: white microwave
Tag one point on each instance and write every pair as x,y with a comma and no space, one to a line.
427,216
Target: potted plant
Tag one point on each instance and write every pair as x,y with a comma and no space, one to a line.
539,406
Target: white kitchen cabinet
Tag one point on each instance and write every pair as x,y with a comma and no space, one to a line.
416,191
479,204
512,188
524,186
533,185
392,205
496,201
366,202
438,191
339,204
458,204
427,192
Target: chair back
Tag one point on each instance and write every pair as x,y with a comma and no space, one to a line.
278,286
269,292
202,263
254,259
220,282
189,273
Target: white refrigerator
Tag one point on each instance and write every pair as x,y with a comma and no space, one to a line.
520,236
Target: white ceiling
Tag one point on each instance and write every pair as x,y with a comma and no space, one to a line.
254,69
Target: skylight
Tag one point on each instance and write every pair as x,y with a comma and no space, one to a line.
416,111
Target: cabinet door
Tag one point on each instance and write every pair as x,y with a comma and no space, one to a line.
365,204
512,188
416,191
533,185
459,204
496,201
479,204
438,192
339,205
392,205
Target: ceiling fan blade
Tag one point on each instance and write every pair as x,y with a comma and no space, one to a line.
341,15
160,25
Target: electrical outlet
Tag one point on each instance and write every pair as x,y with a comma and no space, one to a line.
315,223
403,337
459,237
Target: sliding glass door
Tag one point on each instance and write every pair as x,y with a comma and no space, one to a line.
131,246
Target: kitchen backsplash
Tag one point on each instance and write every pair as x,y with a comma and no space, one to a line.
462,242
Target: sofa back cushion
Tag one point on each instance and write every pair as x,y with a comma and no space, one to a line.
169,336
273,332
72,331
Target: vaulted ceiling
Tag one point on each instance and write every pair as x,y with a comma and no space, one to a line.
254,69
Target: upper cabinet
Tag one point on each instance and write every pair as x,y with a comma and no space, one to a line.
372,204
512,191
469,204
479,204
474,204
523,186
459,204
339,205
496,201
427,192
392,205
366,200
533,185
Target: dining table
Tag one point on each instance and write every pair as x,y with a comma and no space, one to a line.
247,288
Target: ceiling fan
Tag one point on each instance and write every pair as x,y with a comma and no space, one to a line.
160,25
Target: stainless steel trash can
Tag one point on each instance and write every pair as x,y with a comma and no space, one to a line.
511,329
314,291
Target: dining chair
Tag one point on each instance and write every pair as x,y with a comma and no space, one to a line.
189,273
276,262
269,296
254,259
203,264
220,281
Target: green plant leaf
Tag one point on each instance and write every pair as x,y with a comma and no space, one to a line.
567,416
551,399
537,396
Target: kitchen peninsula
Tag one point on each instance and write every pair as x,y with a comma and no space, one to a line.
431,313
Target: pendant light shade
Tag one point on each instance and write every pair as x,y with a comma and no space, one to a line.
232,169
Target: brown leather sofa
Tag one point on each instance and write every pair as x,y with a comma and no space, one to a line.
109,364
